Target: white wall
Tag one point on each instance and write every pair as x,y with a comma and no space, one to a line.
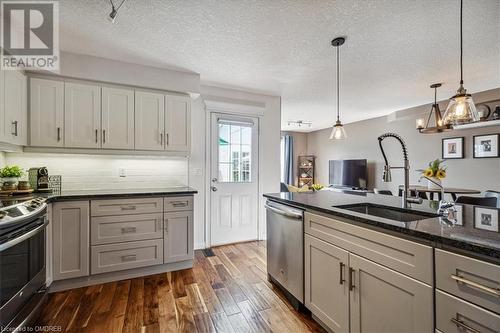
101,172
269,147
480,174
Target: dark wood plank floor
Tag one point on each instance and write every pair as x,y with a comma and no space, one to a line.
225,293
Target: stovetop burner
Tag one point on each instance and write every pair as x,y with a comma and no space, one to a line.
17,211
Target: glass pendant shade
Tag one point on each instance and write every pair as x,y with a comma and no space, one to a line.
338,132
461,110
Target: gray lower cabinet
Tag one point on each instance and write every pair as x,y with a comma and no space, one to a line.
383,300
70,225
120,256
326,289
454,315
178,236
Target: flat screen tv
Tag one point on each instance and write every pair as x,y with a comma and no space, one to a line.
348,173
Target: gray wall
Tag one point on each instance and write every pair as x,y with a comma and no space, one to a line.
362,142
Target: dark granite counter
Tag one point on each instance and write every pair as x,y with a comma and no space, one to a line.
476,233
109,194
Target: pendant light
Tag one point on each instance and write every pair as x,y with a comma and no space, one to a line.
338,131
438,121
461,109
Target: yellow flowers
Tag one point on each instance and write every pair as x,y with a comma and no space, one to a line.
435,169
441,174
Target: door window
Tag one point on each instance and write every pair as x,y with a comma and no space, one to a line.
235,153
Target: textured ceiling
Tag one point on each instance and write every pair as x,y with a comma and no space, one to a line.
394,48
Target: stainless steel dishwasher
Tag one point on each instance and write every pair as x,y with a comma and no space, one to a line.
285,250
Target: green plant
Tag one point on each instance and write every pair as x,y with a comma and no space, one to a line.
11,171
316,187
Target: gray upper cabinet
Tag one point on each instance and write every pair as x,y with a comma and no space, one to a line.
70,227
326,288
383,300
15,108
149,121
82,115
178,236
117,118
46,113
178,123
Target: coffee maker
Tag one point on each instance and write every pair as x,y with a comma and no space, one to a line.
39,179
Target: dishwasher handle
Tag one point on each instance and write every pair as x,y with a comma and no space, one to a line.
291,214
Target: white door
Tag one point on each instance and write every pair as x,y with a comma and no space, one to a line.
149,120
117,118
82,115
46,113
16,113
234,179
178,123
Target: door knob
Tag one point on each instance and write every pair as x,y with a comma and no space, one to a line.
214,180
213,188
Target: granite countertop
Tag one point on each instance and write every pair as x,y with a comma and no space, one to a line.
471,236
96,194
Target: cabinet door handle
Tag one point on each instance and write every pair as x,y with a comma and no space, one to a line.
130,257
341,278
128,230
15,128
492,291
165,225
104,136
58,134
96,133
167,139
161,138
179,203
351,279
461,324
128,207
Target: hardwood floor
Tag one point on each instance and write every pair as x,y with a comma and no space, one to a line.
225,293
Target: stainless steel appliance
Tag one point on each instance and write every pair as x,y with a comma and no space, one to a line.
285,250
22,262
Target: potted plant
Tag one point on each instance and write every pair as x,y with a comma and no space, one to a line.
436,171
10,176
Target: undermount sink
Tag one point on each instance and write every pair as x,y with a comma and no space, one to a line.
390,213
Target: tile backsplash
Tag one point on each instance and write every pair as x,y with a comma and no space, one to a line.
102,172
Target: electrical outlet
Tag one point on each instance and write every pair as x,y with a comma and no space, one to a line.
122,172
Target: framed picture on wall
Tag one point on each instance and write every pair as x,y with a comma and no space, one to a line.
486,218
453,148
485,146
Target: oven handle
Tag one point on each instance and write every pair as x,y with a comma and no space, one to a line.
23,237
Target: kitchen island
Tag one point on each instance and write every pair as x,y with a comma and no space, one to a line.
370,264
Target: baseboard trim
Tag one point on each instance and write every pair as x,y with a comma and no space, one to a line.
85,281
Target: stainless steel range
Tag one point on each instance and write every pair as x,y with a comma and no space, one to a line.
22,261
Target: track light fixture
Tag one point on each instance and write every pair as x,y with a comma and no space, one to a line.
114,10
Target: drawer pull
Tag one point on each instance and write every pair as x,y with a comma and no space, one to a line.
179,203
492,291
130,257
128,207
128,230
463,325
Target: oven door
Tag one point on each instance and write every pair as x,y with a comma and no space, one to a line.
22,273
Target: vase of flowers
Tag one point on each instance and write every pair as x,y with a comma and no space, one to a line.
436,171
